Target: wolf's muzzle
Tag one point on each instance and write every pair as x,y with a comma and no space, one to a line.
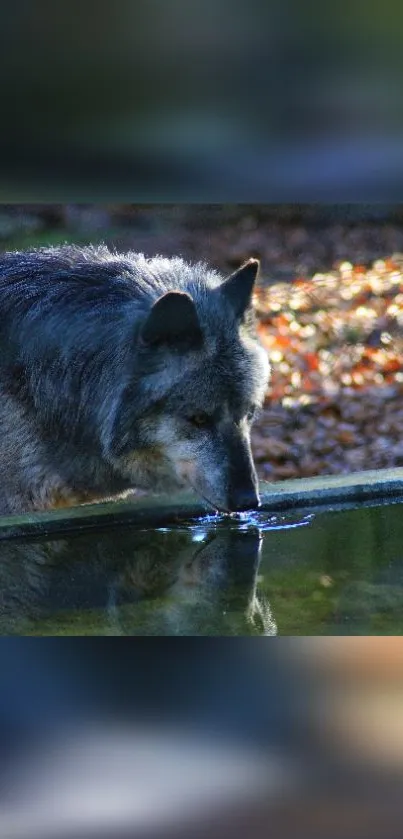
244,500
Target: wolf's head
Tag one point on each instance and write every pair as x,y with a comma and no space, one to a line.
199,377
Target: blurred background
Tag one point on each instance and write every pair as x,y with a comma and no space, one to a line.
329,307
302,738
203,102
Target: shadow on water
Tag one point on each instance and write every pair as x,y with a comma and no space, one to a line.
314,573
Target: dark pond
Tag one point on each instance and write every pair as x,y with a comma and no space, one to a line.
307,573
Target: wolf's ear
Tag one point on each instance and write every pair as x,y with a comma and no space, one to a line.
239,286
173,320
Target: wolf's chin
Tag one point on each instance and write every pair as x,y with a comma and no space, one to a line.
217,508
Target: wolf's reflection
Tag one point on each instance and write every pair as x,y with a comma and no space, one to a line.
131,582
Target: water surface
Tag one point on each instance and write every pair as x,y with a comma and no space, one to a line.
307,573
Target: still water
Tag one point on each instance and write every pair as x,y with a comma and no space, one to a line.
337,572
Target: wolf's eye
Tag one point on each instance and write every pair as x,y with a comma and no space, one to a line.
200,420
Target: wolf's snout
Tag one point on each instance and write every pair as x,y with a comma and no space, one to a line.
244,500
242,487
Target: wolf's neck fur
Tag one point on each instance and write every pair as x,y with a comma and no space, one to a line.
32,482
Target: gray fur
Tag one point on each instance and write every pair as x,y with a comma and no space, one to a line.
89,407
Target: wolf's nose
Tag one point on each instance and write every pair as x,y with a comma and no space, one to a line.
244,500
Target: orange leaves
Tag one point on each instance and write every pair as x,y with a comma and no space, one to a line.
337,330
311,360
281,322
284,342
393,364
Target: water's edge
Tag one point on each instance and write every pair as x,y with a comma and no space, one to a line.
157,511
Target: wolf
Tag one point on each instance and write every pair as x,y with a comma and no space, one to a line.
119,371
